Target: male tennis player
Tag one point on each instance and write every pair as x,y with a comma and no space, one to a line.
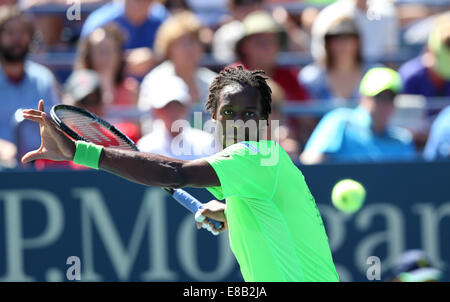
275,229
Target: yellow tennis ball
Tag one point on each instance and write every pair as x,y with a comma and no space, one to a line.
348,195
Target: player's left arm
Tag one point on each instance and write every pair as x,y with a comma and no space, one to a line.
144,168
157,170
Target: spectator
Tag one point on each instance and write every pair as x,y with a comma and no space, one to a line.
102,52
22,82
227,35
139,19
438,144
339,74
376,20
429,74
415,266
363,133
169,100
259,47
178,45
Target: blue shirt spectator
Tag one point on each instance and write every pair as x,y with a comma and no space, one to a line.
363,133
417,80
429,74
314,78
142,35
338,75
22,82
438,144
346,135
37,83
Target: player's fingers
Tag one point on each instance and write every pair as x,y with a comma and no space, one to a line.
213,230
32,112
199,225
40,118
32,155
34,118
41,105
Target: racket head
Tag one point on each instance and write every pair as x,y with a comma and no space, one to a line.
81,124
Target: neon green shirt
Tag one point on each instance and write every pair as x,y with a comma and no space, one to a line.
275,229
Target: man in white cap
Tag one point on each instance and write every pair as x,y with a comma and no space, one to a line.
168,99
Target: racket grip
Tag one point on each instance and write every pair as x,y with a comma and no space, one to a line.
192,204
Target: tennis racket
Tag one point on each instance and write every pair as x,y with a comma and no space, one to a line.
83,125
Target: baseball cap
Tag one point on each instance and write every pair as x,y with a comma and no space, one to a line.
379,79
415,266
81,83
157,92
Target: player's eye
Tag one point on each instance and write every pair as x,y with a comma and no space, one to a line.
228,112
250,114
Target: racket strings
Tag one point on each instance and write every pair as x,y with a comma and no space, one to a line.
92,131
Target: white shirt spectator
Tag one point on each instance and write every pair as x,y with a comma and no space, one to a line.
204,78
190,144
378,26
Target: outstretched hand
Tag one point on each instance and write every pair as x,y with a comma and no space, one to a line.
55,145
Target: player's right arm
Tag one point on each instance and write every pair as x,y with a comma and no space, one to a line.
144,168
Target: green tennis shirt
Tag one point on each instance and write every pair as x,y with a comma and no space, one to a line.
275,229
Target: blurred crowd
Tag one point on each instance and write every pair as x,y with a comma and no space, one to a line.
351,80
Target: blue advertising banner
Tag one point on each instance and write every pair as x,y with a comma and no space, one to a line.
115,230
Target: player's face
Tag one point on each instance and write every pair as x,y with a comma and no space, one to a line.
239,114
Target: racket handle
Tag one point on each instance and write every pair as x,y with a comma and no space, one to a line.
192,204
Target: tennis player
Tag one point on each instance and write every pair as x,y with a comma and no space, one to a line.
275,229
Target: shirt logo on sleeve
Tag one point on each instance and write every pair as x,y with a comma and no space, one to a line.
252,148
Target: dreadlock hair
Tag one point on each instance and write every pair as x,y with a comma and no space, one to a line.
255,79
